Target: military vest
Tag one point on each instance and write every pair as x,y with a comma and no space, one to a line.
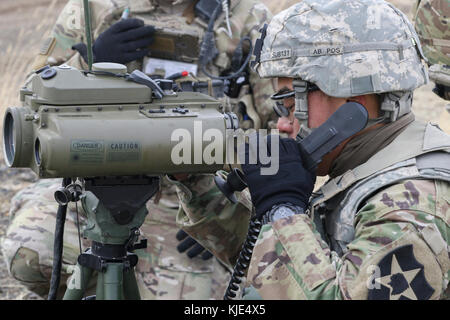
421,151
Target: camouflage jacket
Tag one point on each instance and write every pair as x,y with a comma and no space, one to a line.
246,18
400,247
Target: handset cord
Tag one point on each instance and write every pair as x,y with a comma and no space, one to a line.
243,260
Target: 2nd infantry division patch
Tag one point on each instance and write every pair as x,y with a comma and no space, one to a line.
401,277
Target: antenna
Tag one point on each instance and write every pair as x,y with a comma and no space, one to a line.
87,23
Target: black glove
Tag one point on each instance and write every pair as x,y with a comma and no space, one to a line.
292,183
123,42
188,242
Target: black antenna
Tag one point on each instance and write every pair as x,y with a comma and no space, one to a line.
87,22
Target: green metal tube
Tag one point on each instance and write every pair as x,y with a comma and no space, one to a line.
78,283
99,290
113,281
130,287
87,21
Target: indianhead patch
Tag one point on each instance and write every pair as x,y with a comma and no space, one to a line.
401,277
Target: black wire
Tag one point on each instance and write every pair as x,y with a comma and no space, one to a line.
210,29
243,261
78,227
241,69
58,247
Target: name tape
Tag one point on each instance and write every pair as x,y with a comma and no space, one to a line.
326,51
281,54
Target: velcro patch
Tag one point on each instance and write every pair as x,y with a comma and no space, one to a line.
326,51
281,54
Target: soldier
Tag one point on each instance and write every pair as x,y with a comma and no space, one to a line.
378,228
432,19
162,272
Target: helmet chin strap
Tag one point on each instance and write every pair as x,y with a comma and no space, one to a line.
393,106
301,106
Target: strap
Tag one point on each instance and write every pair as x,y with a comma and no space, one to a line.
338,50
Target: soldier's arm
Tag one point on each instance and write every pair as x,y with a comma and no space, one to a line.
69,30
209,217
400,250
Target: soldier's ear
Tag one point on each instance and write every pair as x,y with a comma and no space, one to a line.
359,99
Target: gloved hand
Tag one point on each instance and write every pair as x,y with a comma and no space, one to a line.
195,247
123,42
292,183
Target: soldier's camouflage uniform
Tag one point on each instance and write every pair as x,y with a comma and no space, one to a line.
381,229
162,272
432,20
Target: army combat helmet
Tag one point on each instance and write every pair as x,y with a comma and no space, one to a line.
346,48
432,23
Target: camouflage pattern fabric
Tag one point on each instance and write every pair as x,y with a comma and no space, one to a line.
245,19
401,247
337,54
432,19
291,260
162,272
28,243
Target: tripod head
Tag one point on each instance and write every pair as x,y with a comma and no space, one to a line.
115,209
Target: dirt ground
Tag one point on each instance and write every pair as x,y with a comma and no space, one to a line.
23,25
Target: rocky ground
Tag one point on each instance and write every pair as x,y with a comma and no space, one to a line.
23,25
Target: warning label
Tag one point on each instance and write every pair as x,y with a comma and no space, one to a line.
123,151
87,151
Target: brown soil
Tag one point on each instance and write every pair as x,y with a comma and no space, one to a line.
24,24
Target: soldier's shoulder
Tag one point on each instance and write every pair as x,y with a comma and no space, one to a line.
249,6
420,200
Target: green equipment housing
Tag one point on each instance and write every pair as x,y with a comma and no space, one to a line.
76,123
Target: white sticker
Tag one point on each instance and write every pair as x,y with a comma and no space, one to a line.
152,64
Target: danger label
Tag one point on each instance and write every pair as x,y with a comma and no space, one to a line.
87,151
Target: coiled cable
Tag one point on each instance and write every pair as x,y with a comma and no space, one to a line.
243,260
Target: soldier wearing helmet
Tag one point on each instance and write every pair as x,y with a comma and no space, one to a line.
378,228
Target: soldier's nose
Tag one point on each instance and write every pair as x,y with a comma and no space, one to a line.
284,125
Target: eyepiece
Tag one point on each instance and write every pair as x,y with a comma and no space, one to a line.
9,139
37,151
17,135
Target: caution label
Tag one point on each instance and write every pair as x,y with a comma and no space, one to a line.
123,151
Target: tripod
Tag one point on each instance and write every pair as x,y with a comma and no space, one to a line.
115,209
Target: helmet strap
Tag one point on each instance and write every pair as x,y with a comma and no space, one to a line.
396,104
301,106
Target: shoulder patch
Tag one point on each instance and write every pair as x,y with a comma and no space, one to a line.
401,277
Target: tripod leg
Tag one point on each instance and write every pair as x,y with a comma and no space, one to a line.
78,283
110,282
130,287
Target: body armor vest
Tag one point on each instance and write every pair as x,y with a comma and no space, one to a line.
422,151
